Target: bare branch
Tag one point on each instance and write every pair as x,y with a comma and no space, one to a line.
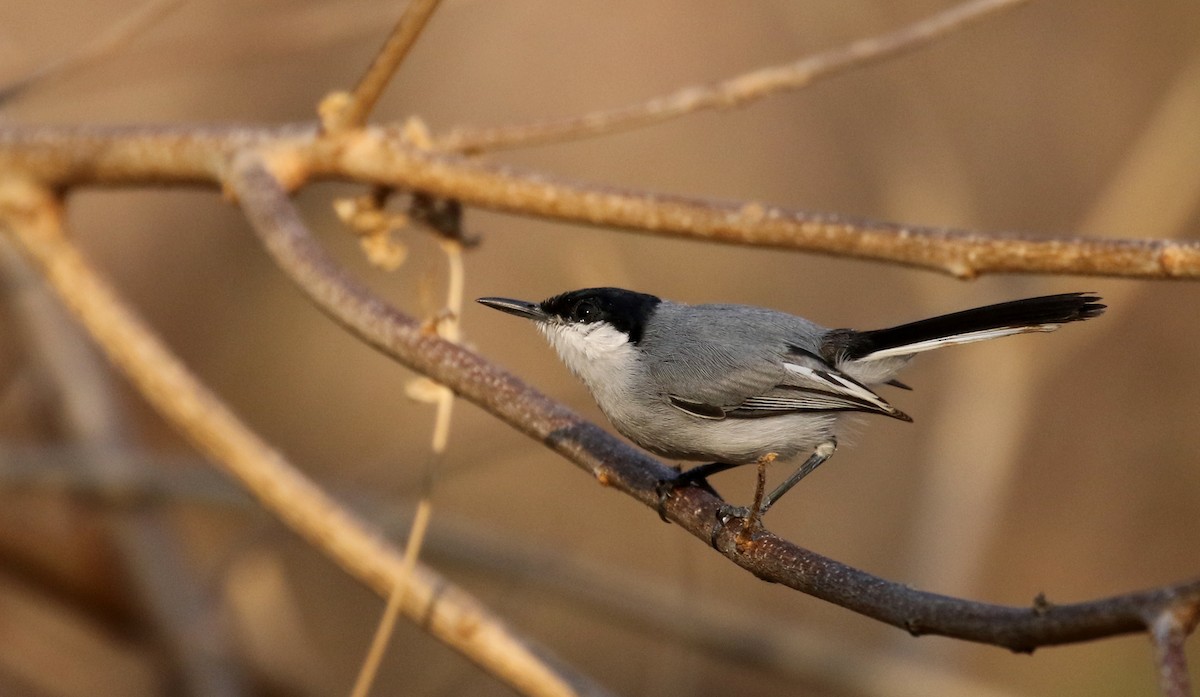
61,157
658,606
454,617
341,111
666,608
962,253
730,93
615,464
1169,631
443,399
107,42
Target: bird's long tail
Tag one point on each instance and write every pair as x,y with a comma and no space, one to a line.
1041,314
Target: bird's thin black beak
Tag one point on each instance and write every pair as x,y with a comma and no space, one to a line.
520,308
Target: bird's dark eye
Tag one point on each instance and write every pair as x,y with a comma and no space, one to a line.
585,311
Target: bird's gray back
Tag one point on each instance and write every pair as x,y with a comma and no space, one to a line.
722,354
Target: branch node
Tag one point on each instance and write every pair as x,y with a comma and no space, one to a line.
331,111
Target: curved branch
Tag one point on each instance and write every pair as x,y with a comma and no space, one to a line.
62,157
727,94
617,465
450,614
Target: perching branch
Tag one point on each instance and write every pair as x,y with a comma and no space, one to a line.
626,469
62,157
727,94
259,166
33,218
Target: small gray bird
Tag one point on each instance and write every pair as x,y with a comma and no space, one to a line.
735,384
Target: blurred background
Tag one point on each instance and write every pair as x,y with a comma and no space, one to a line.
1063,464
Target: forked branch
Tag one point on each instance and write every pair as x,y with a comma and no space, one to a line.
259,166
33,218
622,467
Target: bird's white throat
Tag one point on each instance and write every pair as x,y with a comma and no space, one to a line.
596,353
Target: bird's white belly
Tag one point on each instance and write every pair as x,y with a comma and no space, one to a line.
736,441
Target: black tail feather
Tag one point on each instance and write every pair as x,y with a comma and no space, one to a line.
1030,312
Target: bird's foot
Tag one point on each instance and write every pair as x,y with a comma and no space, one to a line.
727,512
751,522
665,487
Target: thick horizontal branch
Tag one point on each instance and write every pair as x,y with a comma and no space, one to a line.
63,157
626,469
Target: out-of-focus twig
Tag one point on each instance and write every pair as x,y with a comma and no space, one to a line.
730,93
1168,632
340,110
33,217
108,41
443,398
150,477
661,608
646,604
177,607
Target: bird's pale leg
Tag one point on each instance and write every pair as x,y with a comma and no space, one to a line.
823,452
754,520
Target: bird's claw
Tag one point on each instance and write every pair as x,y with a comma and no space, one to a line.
751,522
665,487
727,512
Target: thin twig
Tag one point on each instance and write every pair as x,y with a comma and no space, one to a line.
444,401
343,111
451,615
620,466
1168,631
730,93
395,602
62,157
50,469
110,40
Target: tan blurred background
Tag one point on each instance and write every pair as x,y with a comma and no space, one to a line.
1063,464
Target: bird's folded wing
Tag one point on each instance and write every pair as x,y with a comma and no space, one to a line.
802,388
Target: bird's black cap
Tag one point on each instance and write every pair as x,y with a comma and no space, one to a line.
626,310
